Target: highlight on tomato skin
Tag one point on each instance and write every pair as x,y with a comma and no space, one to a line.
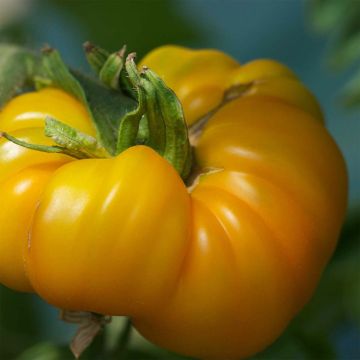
213,271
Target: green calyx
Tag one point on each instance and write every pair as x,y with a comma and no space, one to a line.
159,114
17,68
127,106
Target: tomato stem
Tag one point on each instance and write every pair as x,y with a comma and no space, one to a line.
124,340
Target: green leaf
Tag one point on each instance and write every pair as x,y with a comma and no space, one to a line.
346,50
17,65
106,106
327,14
19,322
351,92
56,73
340,19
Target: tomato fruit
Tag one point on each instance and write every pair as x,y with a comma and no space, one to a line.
216,270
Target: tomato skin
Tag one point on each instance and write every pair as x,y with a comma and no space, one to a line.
114,236
24,173
216,271
22,192
30,110
198,77
264,226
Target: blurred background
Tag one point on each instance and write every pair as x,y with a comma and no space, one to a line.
318,39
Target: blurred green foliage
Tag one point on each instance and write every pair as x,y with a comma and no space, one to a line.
140,24
340,20
19,326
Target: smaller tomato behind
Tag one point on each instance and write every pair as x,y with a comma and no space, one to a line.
260,69
201,78
198,77
30,110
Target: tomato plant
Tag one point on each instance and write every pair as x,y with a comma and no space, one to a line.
210,245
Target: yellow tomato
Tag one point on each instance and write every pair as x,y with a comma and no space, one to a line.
24,173
198,77
114,236
265,221
30,110
216,271
22,180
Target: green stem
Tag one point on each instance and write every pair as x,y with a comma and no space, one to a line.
73,139
44,148
124,340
